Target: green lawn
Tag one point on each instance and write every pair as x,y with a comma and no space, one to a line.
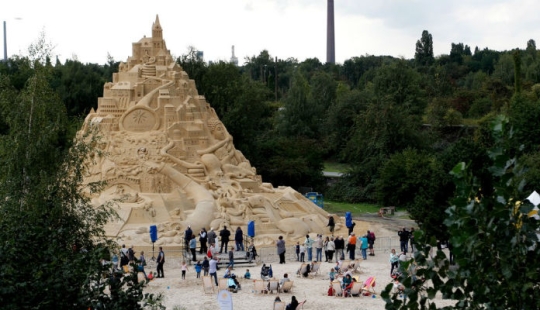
356,209
335,167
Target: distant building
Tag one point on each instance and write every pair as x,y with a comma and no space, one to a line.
200,55
234,59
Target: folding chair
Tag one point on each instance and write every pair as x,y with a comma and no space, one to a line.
286,287
315,270
258,286
356,289
336,288
368,286
273,285
302,270
223,284
279,305
208,285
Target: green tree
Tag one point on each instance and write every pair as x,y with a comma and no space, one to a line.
52,237
494,242
423,188
423,55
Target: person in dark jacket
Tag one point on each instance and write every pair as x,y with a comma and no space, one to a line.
331,224
239,239
188,233
404,239
224,234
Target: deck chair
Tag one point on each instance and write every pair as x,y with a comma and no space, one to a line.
369,286
223,284
356,289
208,285
336,287
286,287
302,270
258,286
356,266
301,305
273,285
279,305
315,270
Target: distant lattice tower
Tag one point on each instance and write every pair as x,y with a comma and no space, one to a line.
234,59
330,38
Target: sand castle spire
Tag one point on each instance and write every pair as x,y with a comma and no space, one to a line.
157,31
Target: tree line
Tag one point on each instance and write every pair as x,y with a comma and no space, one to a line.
400,124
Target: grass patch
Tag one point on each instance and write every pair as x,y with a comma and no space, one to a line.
336,167
356,209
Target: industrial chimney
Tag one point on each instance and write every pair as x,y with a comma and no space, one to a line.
330,39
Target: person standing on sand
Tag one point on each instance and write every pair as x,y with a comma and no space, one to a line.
211,236
239,239
351,246
160,262
213,269
340,247
318,247
403,239
309,246
224,234
193,248
331,224
280,244
203,237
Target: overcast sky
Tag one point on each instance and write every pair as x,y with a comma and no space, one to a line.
89,30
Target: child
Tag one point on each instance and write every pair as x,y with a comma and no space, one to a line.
332,274
297,249
231,258
302,253
150,276
247,275
184,269
198,268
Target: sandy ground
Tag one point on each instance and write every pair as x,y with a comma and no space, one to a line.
189,293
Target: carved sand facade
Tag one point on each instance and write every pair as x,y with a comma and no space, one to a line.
172,163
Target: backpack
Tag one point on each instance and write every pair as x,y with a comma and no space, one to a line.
372,236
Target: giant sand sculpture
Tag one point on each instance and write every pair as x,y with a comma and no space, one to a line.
172,163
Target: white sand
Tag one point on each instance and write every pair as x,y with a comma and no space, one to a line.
189,294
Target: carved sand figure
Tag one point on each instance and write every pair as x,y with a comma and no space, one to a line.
172,163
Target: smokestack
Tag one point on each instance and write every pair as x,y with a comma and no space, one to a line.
5,43
330,39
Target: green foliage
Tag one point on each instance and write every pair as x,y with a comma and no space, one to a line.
416,180
494,242
52,237
424,50
295,162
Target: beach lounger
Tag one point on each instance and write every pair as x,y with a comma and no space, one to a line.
286,287
279,305
369,286
223,284
258,286
273,285
315,269
336,288
208,285
302,270
356,289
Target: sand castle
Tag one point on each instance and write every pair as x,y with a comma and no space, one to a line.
172,163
